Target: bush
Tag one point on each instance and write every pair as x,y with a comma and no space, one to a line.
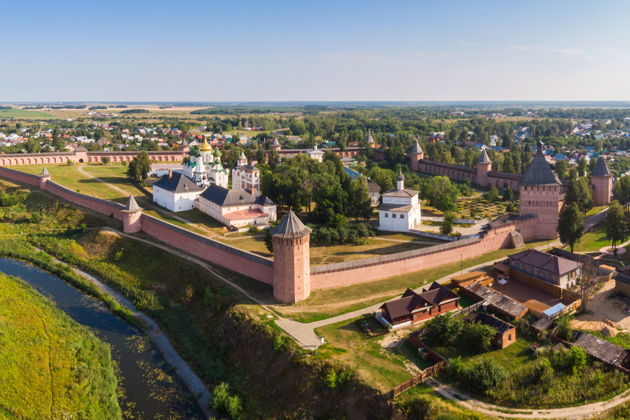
483,375
224,403
445,328
476,336
563,328
447,224
351,233
9,200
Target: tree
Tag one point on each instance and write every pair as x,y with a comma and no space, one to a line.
492,195
571,225
579,192
477,336
621,190
105,160
139,167
588,282
616,227
441,193
445,328
508,194
447,224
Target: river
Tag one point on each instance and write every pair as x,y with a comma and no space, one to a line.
148,386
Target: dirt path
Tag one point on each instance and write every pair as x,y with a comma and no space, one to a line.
577,412
146,203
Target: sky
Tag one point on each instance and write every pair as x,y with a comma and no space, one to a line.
344,50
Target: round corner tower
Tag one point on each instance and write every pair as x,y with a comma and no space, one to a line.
132,216
291,260
601,180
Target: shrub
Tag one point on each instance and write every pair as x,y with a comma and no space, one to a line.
476,336
119,254
447,224
483,375
445,328
563,329
225,403
9,200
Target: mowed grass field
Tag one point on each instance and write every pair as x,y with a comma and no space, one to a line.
50,366
24,113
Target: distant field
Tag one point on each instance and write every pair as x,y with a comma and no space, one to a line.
50,366
23,113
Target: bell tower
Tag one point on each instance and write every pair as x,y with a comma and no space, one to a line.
291,260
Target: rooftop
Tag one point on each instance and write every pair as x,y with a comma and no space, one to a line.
539,171
544,261
290,227
177,183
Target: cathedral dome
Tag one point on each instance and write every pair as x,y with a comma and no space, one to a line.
205,147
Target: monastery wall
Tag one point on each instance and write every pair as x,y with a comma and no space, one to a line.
377,268
19,177
234,259
12,159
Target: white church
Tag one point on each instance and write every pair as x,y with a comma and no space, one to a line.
400,208
203,184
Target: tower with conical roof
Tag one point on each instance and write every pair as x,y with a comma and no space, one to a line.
484,165
369,140
291,260
132,216
44,177
416,154
601,180
205,151
541,195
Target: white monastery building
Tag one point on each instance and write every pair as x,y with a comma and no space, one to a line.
400,208
203,184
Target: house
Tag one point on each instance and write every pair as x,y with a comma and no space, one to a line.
413,307
496,301
553,269
506,333
176,192
236,208
400,209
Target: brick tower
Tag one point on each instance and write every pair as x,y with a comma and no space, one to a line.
484,165
44,177
541,195
601,179
416,154
131,216
291,260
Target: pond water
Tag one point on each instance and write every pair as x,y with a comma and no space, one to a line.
148,387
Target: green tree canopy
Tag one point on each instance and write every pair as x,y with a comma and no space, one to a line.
571,225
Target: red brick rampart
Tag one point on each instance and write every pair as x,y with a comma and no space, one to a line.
371,269
14,159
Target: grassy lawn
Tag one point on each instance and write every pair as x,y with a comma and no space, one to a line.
326,303
70,177
593,240
24,113
381,368
50,366
595,210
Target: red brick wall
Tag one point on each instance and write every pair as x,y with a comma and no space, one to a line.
223,255
495,239
20,177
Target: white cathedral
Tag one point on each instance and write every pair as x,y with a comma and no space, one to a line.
400,210
204,184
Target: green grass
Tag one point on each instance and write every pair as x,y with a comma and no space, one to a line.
381,368
50,366
23,113
326,303
593,240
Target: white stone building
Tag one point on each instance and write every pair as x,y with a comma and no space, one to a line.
236,208
245,176
400,208
176,192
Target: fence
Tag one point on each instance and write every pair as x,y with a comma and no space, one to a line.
431,371
416,380
470,309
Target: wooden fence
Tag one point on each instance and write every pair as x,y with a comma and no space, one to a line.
418,379
431,371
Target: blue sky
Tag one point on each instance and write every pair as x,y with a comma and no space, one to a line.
314,50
